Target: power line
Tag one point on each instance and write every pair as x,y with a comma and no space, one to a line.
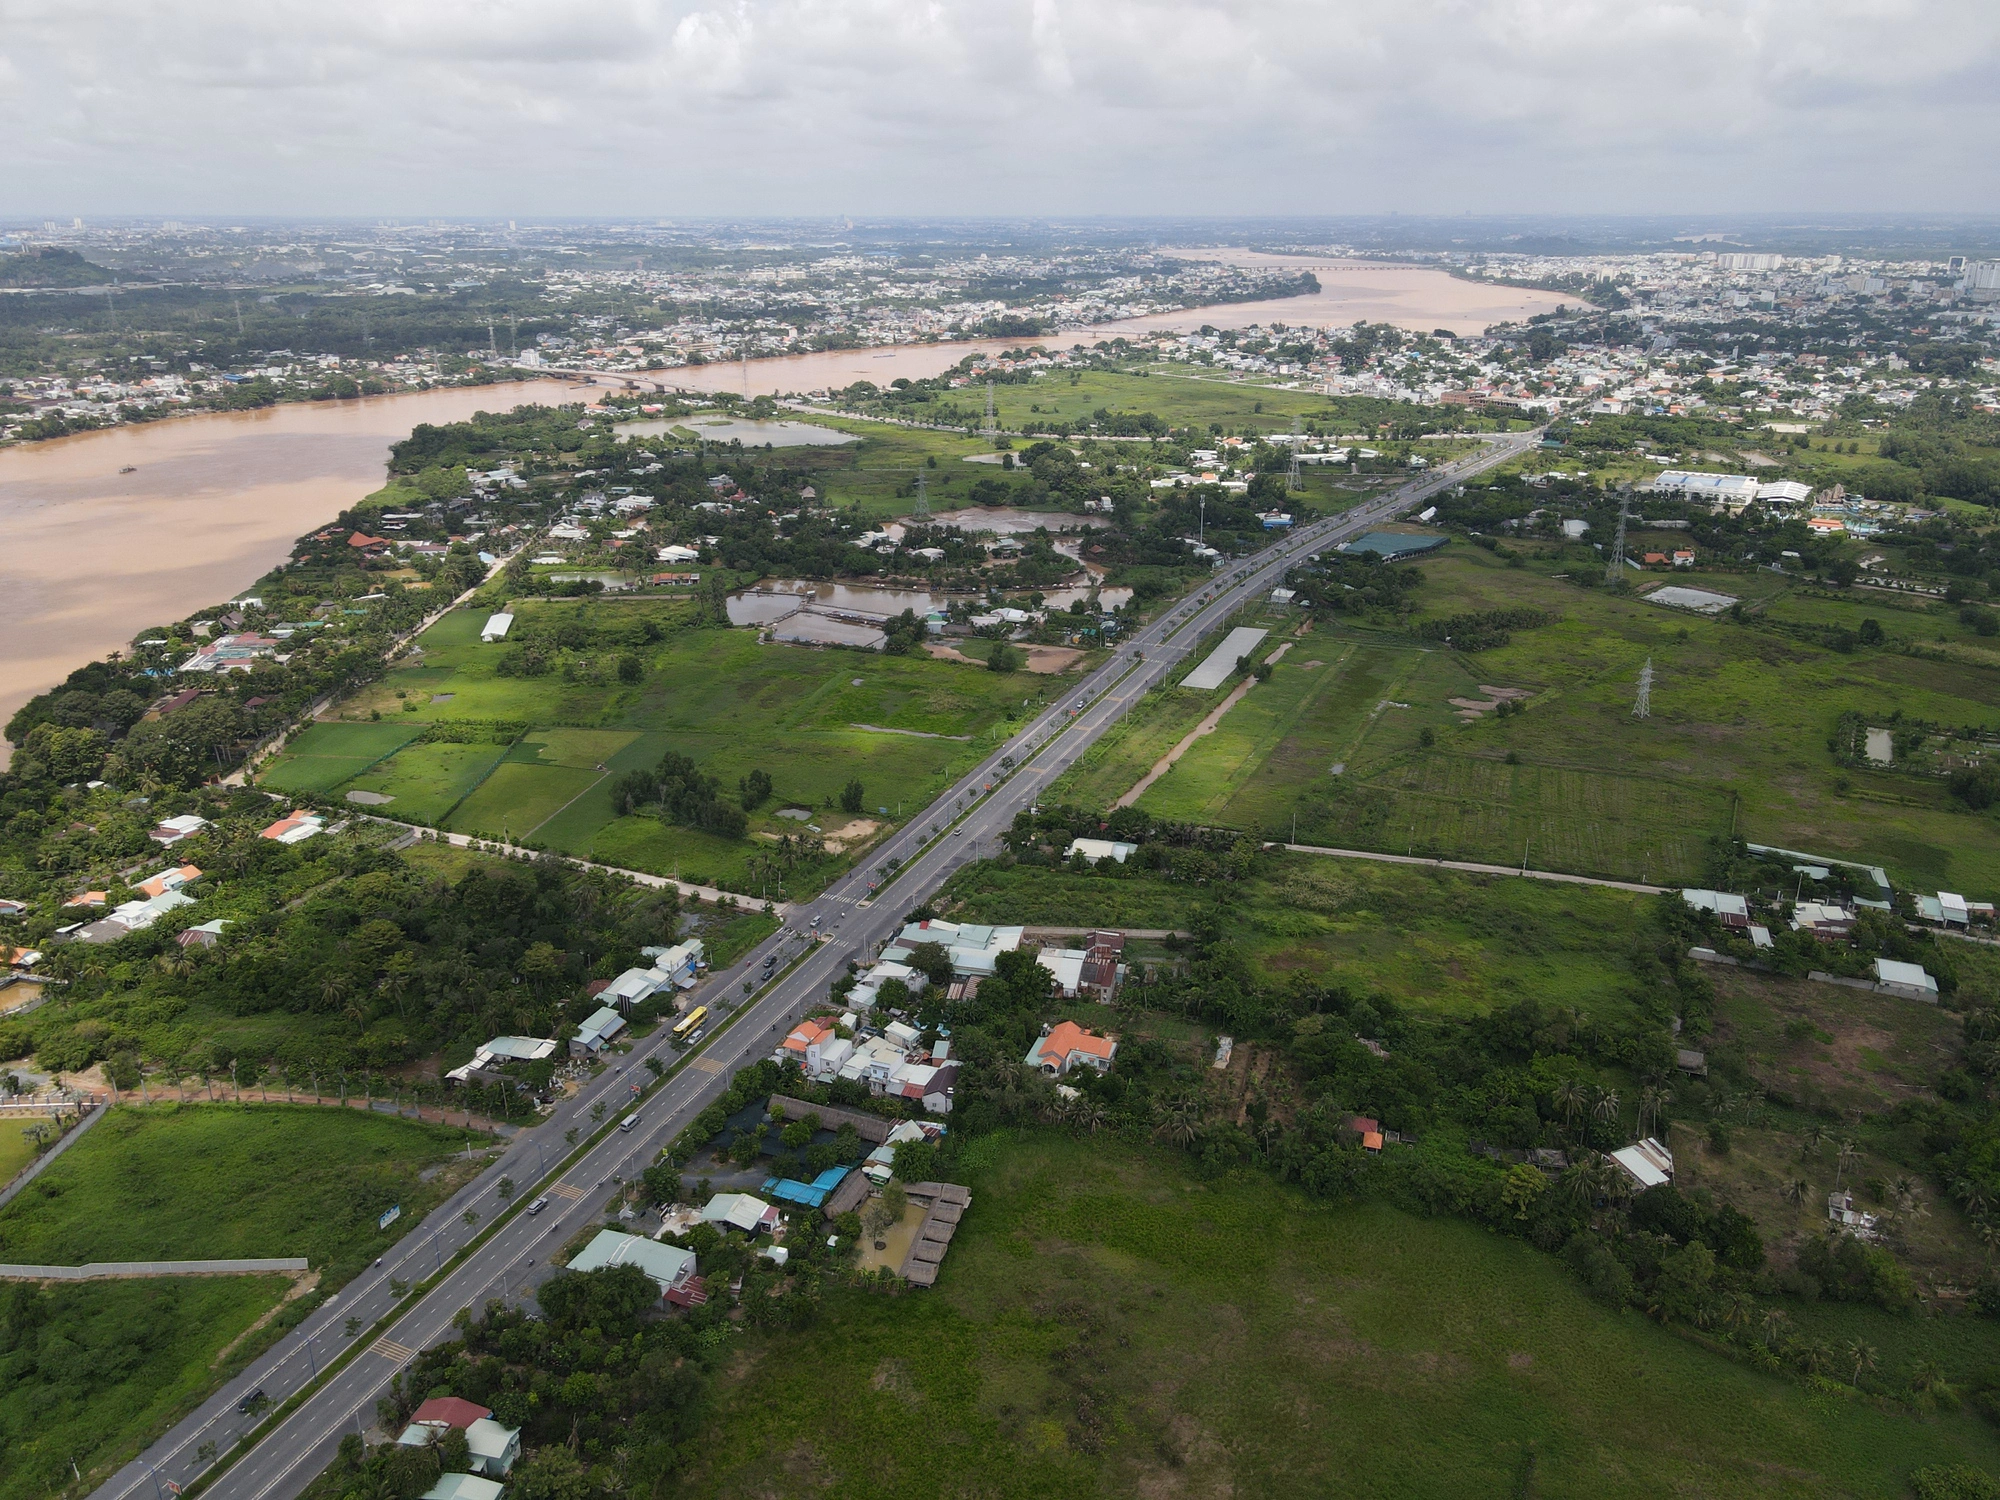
1642,707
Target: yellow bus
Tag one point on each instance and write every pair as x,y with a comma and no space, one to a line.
688,1024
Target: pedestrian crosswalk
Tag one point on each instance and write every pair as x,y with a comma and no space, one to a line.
564,1190
389,1349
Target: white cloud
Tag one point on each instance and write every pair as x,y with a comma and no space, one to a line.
950,106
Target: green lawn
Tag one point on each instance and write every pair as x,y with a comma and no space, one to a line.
96,1368
1108,1323
220,1181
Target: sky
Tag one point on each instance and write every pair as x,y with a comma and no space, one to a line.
969,107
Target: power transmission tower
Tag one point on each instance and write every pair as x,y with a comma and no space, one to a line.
235,303
492,343
923,510
1616,569
1642,706
514,335
991,426
1293,481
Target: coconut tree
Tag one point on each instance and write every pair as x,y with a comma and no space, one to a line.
1842,1160
1774,1324
1570,1099
1653,1102
1180,1121
1862,1357
1797,1190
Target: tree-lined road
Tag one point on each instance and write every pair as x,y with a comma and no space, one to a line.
853,920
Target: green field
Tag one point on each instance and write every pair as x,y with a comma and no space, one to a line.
1431,940
1109,1323
16,1151
92,1367
222,1181
813,720
1741,715
321,756
110,1362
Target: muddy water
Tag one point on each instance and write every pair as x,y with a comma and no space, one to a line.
1413,297
90,556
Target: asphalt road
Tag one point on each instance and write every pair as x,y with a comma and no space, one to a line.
959,827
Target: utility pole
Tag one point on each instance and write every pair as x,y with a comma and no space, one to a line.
1616,570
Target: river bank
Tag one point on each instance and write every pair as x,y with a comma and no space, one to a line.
94,555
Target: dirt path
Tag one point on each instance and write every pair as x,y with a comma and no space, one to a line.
920,734
1206,726
1473,869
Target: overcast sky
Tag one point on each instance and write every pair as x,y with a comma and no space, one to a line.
647,107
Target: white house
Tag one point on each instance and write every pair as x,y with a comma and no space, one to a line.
1096,849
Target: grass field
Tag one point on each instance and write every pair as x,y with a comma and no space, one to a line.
109,1362
220,1181
321,756
813,720
1737,736
1432,940
15,1150
1108,1323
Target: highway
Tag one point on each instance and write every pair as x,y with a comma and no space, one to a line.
853,922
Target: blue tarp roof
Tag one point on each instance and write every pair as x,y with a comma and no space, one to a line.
811,1194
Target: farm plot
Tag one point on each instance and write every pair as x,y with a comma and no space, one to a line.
322,756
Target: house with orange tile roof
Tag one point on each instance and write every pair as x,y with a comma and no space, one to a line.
171,879
1067,1045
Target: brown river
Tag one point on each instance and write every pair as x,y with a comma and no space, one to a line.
90,556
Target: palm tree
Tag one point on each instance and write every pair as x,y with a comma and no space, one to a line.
1775,1322
1569,1098
1797,1190
1816,1357
1579,1182
1989,1236
1971,1192
1738,1308
1811,1140
1653,1102
1605,1109
1927,1378
1842,1160
1863,1357
1180,1121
